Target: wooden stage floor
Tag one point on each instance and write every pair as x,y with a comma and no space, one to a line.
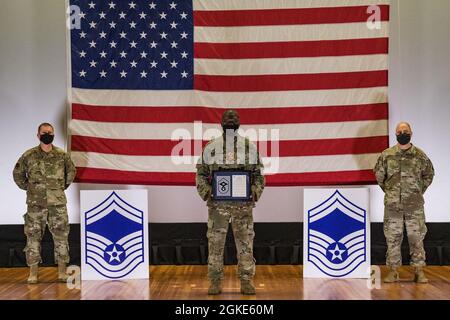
189,283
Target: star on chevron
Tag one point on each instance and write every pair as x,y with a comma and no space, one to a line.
337,253
114,254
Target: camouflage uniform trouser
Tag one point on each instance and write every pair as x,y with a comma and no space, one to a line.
242,224
394,219
36,220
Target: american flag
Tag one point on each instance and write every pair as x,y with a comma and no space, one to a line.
313,70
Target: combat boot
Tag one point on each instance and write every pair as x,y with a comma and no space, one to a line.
33,277
62,275
392,276
247,287
419,276
215,287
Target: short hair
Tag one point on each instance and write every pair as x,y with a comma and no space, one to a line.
45,124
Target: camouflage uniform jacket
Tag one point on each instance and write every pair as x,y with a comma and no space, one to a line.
404,176
44,176
237,160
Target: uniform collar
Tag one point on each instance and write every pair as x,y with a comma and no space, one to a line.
51,152
411,150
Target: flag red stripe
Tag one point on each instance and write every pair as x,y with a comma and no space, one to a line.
258,50
297,16
322,178
294,148
250,116
286,82
94,175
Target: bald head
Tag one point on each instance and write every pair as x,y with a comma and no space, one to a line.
230,120
403,127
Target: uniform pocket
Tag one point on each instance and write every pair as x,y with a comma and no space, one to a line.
393,167
55,174
35,175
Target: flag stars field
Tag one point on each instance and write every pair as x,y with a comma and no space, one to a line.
153,29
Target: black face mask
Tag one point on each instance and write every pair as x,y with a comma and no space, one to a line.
47,138
404,138
233,127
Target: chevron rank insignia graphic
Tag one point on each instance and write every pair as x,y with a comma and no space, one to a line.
114,236
336,236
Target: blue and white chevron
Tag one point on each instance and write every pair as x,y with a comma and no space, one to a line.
114,237
336,236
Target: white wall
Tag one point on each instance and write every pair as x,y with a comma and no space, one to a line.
33,90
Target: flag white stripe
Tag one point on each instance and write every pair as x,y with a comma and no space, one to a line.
193,98
314,32
280,4
291,65
272,165
168,131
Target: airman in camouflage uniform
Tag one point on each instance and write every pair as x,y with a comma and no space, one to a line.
404,172
230,151
45,172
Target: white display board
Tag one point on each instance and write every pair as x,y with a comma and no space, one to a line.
114,234
336,233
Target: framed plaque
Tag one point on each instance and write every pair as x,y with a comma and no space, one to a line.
231,186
